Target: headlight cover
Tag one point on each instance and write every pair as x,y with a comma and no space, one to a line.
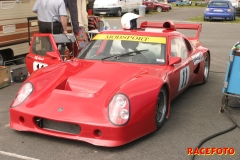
119,110
22,94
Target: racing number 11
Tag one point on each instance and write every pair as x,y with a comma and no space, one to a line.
184,77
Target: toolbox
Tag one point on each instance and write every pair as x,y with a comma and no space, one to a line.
5,77
19,73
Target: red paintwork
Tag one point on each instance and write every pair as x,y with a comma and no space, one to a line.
197,27
149,5
84,89
31,57
165,7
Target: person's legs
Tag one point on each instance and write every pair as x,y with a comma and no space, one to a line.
44,27
58,29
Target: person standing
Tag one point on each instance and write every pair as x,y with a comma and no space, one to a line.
79,21
51,11
71,6
82,14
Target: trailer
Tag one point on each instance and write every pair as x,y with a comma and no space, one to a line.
17,24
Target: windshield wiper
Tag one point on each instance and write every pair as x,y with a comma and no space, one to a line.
124,54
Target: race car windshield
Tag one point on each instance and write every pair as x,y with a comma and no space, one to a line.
125,54
131,49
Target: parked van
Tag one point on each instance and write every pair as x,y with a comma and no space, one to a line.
115,7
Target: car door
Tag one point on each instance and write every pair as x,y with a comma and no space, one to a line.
181,75
43,52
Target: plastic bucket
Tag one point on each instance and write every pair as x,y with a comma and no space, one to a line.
142,10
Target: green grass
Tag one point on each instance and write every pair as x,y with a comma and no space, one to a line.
200,19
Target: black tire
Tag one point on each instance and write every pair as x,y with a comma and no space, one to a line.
159,9
161,108
119,13
204,18
206,68
2,59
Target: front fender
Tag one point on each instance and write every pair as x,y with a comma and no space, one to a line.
143,93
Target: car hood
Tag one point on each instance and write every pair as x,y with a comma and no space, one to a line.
90,78
96,76
85,88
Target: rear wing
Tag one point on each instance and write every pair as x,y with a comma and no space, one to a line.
169,25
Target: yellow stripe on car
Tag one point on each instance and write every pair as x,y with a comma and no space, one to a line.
130,38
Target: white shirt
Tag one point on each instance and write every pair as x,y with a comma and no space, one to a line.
50,10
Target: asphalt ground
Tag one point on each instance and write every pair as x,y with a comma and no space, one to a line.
194,114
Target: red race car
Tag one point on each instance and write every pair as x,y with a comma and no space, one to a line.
149,5
161,6
118,89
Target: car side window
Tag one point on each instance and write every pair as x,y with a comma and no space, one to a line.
41,45
188,44
178,48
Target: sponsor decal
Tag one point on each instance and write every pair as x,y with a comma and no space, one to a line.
130,38
160,60
211,151
184,77
38,65
197,58
60,109
38,58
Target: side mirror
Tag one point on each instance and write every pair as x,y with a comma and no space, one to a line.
174,60
52,55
